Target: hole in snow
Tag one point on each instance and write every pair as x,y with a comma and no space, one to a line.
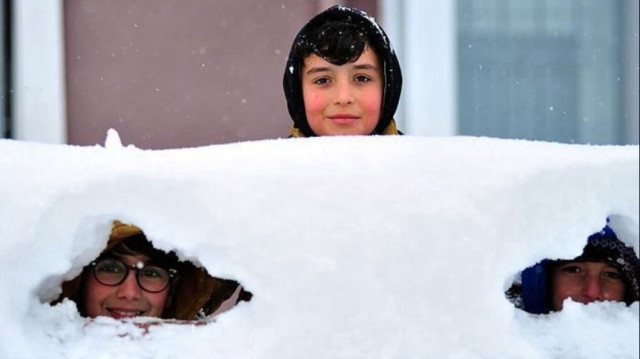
130,277
606,270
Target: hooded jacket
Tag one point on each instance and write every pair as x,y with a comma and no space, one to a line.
377,38
194,295
533,293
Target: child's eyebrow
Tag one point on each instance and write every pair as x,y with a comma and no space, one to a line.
365,67
318,69
314,70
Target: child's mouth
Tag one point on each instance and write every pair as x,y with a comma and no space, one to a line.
343,119
119,313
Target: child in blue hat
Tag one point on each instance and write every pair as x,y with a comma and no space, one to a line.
607,270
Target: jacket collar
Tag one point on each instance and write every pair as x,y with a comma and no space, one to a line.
390,130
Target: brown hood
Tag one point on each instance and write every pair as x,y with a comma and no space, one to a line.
194,289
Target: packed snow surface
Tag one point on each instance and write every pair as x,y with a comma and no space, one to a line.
354,247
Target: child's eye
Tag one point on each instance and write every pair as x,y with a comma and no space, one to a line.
612,274
110,266
154,272
362,78
110,269
571,268
321,81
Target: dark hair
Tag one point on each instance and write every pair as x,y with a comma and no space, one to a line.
337,41
139,244
340,35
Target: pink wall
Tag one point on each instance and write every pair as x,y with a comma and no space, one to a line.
169,73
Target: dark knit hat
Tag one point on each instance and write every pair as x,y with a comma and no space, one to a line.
339,35
605,246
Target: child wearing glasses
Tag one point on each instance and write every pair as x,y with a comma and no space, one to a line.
131,278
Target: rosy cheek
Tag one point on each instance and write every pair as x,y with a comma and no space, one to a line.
373,100
315,105
316,101
95,295
373,107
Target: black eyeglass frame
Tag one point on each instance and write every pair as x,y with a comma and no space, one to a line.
134,267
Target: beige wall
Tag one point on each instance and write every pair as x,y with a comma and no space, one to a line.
169,73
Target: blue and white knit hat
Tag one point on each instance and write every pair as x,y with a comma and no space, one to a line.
603,246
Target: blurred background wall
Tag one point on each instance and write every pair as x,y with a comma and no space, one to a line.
170,74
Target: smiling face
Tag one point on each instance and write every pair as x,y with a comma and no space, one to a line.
124,300
585,282
342,99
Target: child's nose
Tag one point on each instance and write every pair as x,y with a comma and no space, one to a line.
592,289
129,289
343,94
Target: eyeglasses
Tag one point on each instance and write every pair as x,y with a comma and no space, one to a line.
151,278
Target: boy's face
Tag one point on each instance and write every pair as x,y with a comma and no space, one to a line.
586,282
342,99
124,300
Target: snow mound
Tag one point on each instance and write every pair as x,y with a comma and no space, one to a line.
376,247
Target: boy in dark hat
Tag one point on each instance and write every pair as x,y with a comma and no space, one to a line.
607,270
342,77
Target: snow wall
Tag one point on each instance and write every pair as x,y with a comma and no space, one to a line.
377,247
